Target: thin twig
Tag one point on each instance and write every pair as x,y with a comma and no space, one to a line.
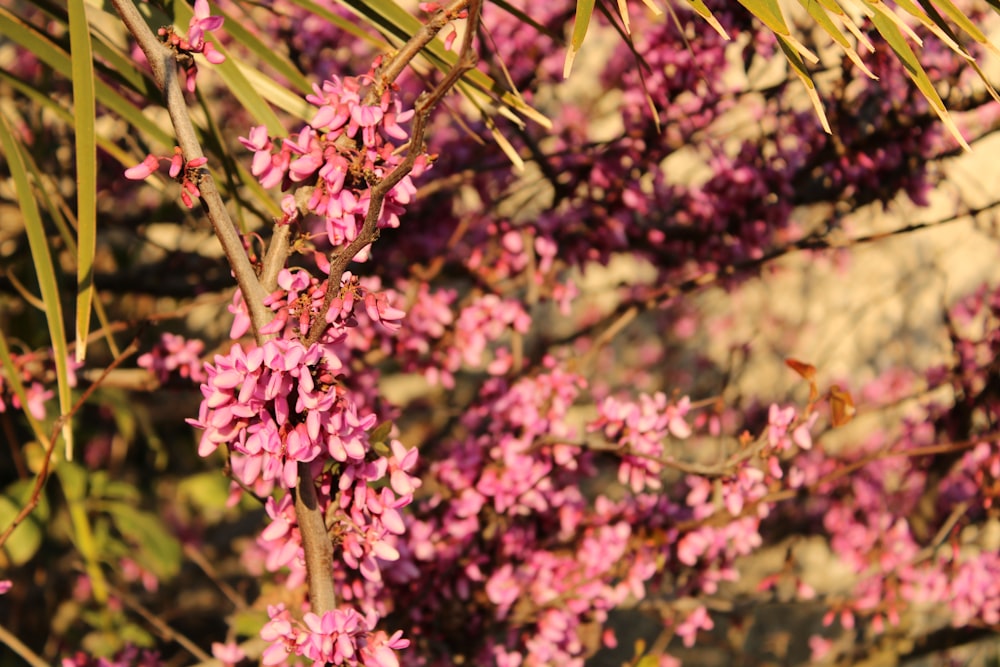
316,543
43,472
7,637
199,559
163,63
750,509
656,297
391,70
340,259
161,627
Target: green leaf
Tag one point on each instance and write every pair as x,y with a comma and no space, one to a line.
888,28
267,54
158,550
50,53
769,13
581,22
248,623
381,432
25,541
648,661
704,12
826,23
969,28
208,492
86,169
44,269
800,69
74,482
347,26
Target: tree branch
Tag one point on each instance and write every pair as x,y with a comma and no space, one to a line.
164,66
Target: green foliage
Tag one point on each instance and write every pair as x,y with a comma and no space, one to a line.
25,541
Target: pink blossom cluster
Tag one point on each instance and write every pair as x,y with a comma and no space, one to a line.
338,637
346,148
363,505
36,393
174,356
641,430
36,374
943,565
617,199
201,23
561,560
443,336
282,404
276,406
130,656
184,172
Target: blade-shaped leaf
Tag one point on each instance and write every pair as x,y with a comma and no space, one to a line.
58,59
74,482
44,269
826,23
623,12
704,12
933,13
342,23
267,54
894,37
86,169
581,22
769,13
800,69
390,19
945,36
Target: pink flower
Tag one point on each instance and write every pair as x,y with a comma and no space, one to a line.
697,620
229,653
144,169
201,23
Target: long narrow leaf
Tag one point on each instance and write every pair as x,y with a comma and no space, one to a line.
894,37
13,380
704,12
267,54
44,270
800,69
342,23
58,59
110,60
826,23
769,13
84,113
581,22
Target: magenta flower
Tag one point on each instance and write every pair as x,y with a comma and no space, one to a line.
201,23
144,169
229,654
